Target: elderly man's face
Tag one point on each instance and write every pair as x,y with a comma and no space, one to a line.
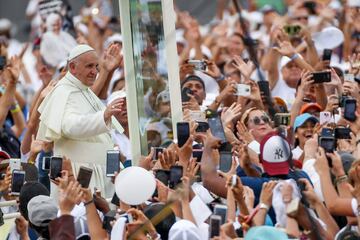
197,89
85,68
291,74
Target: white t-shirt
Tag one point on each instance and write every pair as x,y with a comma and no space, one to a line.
123,142
282,90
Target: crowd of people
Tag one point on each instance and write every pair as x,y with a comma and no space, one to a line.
268,147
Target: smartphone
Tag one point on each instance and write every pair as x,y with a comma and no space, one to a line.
112,162
197,116
328,143
129,218
202,126
282,119
327,132
183,132
225,161
197,153
215,223
221,210
216,128
108,218
55,167
326,117
198,64
17,181
349,77
264,87
342,133
2,62
163,176
185,92
127,163
15,164
157,150
46,163
327,54
84,176
292,30
176,173
350,109
321,77
243,90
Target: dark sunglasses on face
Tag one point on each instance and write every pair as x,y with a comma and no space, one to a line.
257,120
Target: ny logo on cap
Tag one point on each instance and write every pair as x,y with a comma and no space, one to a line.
279,153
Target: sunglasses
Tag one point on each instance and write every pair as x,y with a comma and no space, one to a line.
257,120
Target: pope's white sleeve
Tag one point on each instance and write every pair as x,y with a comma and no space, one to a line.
75,125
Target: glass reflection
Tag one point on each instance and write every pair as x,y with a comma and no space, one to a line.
151,75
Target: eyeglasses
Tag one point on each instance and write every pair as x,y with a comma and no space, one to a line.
257,120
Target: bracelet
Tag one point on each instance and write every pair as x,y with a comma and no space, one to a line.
295,56
15,108
263,206
89,202
220,78
341,179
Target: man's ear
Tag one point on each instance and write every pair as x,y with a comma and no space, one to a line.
71,66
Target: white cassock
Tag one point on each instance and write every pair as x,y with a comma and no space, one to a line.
72,116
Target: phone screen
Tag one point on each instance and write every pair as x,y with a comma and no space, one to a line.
185,92
55,167
112,162
215,223
202,126
183,133
221,210
216,128
176,173
197,153
2,62
342,133
225,161
349,110
84,176
157,151
163,176
18,179
46,163
321,77
327,55
264,87
328,143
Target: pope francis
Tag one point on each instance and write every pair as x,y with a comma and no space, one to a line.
75,119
